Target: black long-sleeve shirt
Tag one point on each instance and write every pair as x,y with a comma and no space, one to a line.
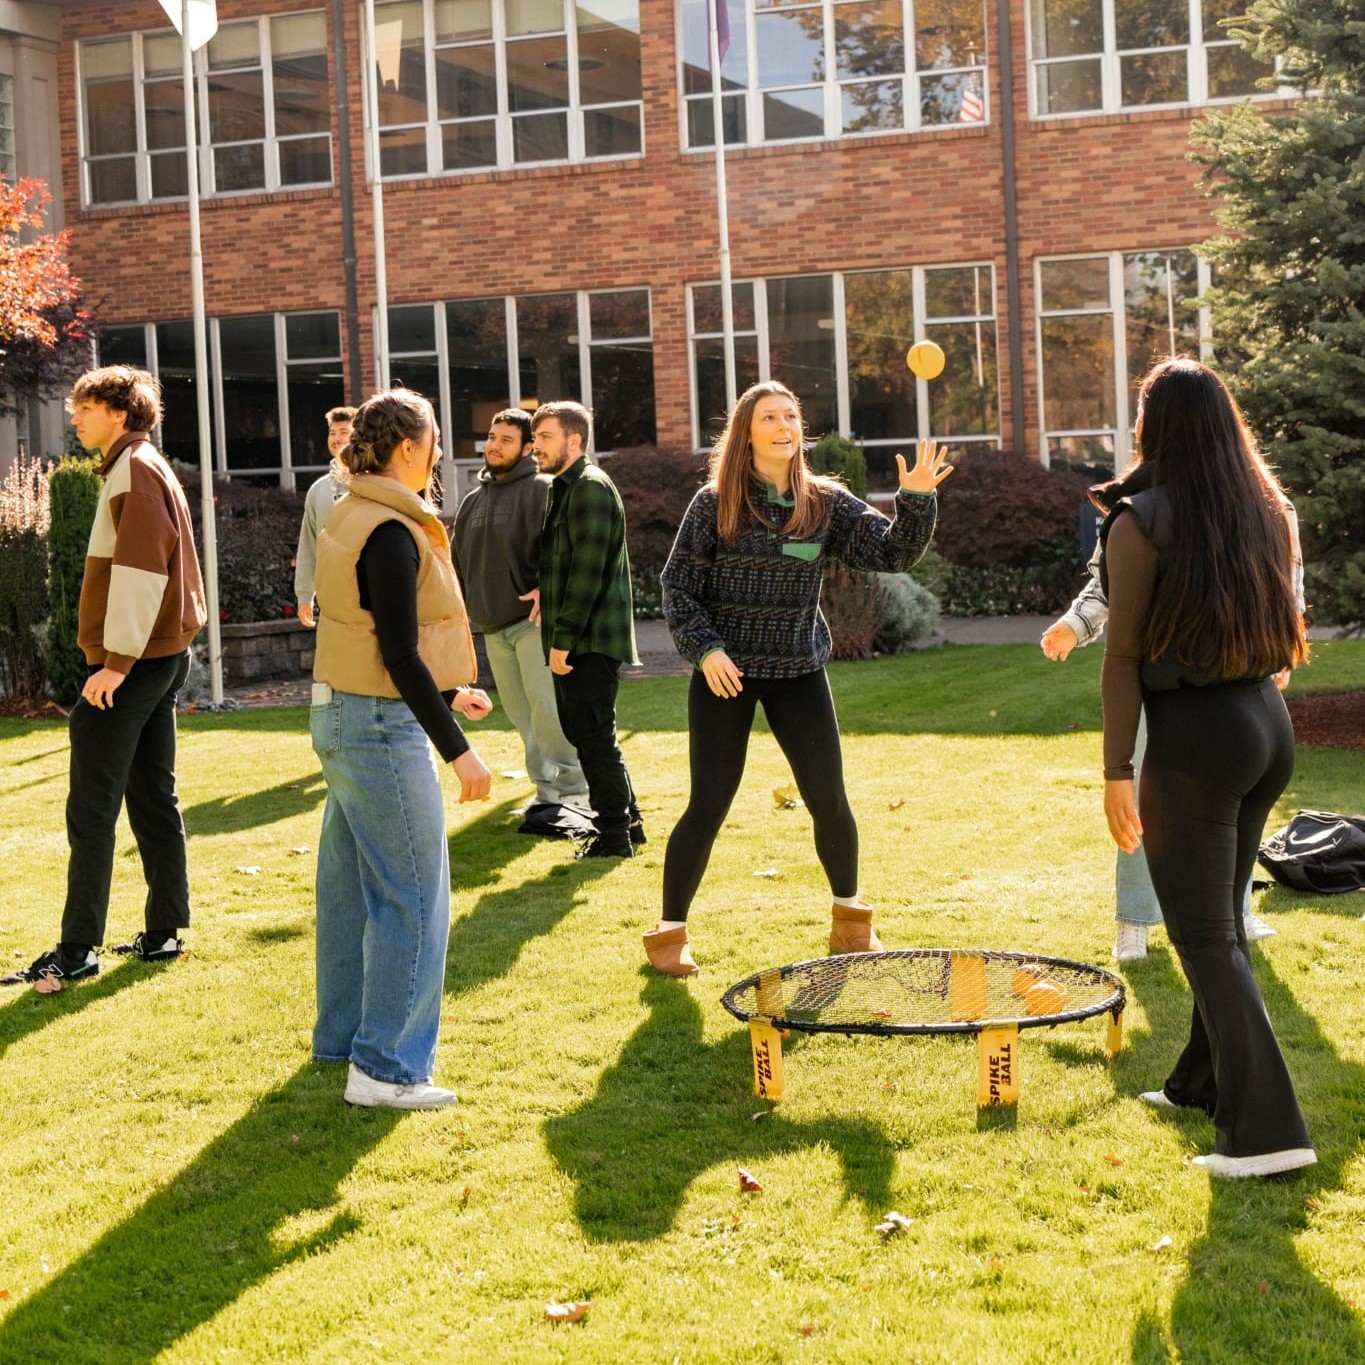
386,574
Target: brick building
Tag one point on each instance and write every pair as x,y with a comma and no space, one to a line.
1008,179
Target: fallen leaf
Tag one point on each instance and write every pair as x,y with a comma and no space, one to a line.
995,1265
567,1312
1161,1243
1112,1159
895,805
1262,1287
761,1114
293,1137
48,985
881,1014
807,1329
299,851
4,1293
247,871
1310,1202
769,872
892,1223
747,1184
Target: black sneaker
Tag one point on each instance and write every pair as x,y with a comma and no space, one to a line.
57,965
637,832
605,846
153,948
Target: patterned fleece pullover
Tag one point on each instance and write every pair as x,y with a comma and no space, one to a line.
759,599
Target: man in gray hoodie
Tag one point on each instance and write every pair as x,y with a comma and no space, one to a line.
496,544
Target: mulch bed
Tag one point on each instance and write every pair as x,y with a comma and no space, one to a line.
1335,720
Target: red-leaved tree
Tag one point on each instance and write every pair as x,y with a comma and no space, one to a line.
44,329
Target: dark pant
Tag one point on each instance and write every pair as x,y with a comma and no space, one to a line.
126,752
800,712
1217,759
585,698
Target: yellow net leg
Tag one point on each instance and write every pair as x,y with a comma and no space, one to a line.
770,1081
997,1066
1113,1035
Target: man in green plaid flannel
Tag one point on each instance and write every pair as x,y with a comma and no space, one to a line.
587,621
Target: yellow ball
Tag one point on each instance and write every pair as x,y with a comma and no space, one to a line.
926,359
1044,997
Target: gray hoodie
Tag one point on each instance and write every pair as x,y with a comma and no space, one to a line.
496,543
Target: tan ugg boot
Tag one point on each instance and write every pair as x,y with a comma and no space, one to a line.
851,930
668,951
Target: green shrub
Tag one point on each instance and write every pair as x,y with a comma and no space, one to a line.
844,459
24,518
909,613
74,489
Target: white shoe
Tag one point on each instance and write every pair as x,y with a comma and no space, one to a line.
1256,928
364,1090
1158,1099
1263,1163
1131,943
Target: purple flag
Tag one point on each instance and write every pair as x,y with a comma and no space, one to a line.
722,26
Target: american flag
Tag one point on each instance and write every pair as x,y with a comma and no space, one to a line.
973,106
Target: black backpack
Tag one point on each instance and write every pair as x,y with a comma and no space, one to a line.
1318,851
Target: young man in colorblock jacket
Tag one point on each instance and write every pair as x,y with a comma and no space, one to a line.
142,603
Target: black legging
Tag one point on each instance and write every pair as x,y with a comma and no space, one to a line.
800,712
1217,759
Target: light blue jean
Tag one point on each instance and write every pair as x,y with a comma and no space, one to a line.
1134,895
383,890
526,690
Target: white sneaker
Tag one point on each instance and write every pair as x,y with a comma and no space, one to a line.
1131,943
369,1093
1158,1099
1256,928
1263,1163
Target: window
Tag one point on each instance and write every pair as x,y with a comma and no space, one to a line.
797,70
467,85
1100,56
1102,322
273,376
7,160
839,342
263,111
473,357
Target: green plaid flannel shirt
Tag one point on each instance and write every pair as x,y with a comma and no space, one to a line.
585,601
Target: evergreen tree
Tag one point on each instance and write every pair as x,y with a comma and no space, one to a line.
1288,304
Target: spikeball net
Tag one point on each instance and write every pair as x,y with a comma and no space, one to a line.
925,990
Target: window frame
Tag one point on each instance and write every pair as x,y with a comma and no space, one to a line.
1110,57
205,148
504,118
751,96
1117,310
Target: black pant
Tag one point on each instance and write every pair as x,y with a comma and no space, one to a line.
800,712
586,701
126,751
1217,759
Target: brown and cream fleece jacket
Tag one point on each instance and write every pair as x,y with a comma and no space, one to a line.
142,596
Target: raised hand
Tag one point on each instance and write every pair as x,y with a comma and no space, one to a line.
931,467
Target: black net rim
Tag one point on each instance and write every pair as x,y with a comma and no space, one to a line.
1113,1004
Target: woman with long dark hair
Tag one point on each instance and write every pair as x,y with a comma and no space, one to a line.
1198,565
742,598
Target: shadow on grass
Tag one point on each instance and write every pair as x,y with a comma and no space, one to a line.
215,1231
1247,1287
672,1107
229,814
24,1011
486,943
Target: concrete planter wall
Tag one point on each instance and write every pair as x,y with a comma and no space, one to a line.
257,651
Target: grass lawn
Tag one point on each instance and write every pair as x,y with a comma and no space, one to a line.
184,1184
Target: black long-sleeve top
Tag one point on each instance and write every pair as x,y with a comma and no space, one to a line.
386,574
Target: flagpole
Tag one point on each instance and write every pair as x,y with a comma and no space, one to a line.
370,69
727,303
196,25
